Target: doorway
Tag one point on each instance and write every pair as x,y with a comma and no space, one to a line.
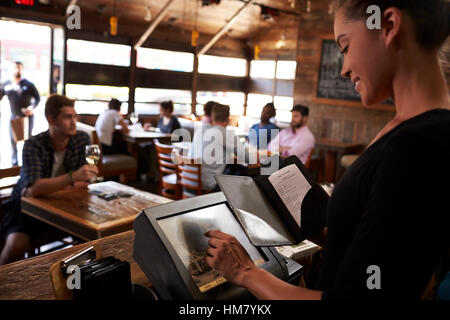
40,49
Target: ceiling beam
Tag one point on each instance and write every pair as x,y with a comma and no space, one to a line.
223,30
154,24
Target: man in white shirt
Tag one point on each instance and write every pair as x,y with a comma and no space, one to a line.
106,125
215,146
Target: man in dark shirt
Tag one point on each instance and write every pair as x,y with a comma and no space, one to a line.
23,98
52,160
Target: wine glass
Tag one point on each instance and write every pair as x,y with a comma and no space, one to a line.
134,118
92,154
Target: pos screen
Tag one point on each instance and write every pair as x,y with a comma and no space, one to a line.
185,233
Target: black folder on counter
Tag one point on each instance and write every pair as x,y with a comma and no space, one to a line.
265,215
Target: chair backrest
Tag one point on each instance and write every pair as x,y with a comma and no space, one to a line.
8,179
190,176
308,161
164,156
90,130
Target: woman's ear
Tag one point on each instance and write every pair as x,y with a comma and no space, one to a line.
392,22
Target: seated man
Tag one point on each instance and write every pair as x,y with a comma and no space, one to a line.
52,160
215,146
263,129
106,125
298,139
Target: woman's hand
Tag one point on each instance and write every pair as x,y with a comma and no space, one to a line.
227,256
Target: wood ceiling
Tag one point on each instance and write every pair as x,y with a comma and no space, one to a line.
189,14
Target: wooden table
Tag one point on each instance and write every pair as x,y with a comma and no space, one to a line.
30,278
139,136
85,215
334,150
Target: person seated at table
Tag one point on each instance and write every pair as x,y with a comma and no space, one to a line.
298,139
264,127
168,122
106,129
215,146
52,160
207,108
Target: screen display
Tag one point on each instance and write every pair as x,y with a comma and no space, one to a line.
186,234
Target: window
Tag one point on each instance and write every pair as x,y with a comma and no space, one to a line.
223,66
264,69
29,44
98,52
286,70
256,103
283,105
233,99
165,60
147,100
94,99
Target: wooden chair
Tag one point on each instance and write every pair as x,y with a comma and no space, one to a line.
308,161
168,176
48,240
316,163
8,179
190,178
112,165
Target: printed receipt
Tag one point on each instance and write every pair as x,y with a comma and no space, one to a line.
291,186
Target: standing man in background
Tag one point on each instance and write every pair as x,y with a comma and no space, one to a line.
23,98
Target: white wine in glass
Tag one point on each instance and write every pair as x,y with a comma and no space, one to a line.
92,157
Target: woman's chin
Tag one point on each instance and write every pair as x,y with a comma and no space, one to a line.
369,100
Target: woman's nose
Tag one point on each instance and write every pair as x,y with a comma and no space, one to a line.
345,72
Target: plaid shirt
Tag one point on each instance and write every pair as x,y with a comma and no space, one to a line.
38,159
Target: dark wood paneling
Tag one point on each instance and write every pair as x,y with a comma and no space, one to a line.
97,74
207,82
98,37
163,79
262,86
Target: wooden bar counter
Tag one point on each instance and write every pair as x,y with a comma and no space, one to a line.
29,279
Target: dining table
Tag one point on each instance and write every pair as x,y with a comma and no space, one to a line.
102,209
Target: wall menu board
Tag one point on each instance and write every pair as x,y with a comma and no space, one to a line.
330,84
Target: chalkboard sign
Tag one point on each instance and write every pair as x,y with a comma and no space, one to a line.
331,85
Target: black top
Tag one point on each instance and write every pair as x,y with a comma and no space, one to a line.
170,127
22,96
391,209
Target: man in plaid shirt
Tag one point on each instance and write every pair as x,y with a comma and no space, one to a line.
52,160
